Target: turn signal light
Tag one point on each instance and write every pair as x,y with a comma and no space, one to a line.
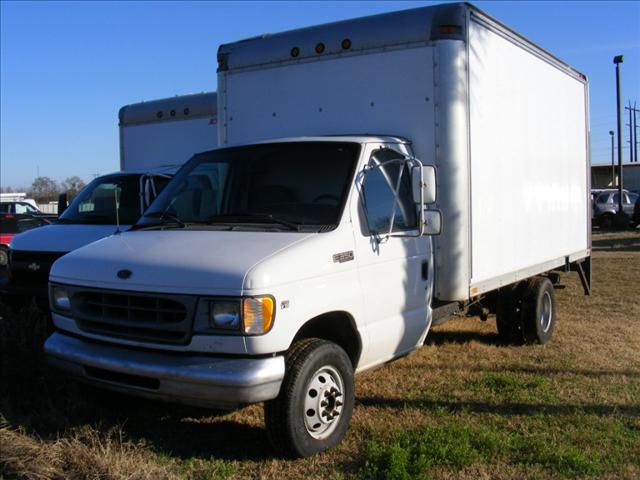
257,315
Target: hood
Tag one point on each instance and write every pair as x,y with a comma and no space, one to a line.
173,261
61,237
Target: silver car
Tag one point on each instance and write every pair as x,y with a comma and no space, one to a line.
605,206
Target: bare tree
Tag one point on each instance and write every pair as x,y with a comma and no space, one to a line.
73,185
44,189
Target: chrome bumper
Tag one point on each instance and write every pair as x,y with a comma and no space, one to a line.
206,381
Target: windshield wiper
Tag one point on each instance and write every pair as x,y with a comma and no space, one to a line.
169,217
90,217
257,216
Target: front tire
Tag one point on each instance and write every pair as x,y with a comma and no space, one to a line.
4,257
312,412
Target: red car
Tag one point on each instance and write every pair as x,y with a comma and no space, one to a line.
10,226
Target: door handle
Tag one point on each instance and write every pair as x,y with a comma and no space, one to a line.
425,270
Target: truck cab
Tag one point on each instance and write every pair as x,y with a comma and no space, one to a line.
156,137
108,203
288,231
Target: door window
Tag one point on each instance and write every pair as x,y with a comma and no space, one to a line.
388,173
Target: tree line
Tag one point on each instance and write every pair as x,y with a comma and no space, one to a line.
45,189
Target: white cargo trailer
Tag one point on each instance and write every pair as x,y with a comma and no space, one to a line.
167,132
156,138
281,266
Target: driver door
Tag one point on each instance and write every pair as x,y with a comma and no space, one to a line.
394,271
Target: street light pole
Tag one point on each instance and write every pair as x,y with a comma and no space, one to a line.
617,60
613,169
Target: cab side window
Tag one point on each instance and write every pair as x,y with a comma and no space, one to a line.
388,172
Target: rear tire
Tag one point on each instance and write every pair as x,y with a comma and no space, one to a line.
606,221
538,311
312,412
508,315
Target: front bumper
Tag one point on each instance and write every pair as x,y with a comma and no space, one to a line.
199,380
11,288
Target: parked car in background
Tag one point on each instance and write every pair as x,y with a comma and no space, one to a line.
605,206
10,226
636,211
21,208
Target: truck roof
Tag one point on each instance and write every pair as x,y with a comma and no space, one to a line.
179,107
355,138
166,169
387,30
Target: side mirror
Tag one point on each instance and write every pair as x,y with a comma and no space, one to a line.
62,203
432,222
424,184
147,189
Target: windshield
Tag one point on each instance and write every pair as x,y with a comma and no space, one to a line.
96,203
282,184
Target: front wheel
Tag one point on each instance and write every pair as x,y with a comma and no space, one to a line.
312,412
4,257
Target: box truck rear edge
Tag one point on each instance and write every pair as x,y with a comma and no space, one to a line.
156,137
401,193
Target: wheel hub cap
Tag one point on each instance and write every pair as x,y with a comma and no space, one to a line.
546,312
323,402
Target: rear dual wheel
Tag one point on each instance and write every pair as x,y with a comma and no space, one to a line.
526,312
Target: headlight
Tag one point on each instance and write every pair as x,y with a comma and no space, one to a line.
257,315
60,298
224,315
234,316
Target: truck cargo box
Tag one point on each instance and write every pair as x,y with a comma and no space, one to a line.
504,122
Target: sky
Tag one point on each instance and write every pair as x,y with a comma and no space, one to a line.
67,67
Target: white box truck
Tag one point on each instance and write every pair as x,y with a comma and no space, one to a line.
275,268
156,138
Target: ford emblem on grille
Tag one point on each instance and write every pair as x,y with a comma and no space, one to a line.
124,274
34,267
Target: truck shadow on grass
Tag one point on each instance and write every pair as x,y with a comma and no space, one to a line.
44,404
436,338
166,429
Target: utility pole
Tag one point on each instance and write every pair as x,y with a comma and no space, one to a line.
630,124
613,169
635,133
617,60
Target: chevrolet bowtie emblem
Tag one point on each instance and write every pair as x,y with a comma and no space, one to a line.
34,267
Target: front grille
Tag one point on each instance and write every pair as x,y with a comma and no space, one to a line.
32,268
137,316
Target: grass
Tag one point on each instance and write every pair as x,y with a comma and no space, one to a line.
463,407
461,441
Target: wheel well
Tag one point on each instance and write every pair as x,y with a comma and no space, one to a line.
337,327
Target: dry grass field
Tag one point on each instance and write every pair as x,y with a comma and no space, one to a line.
463,407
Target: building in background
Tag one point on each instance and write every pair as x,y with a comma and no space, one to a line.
603,176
